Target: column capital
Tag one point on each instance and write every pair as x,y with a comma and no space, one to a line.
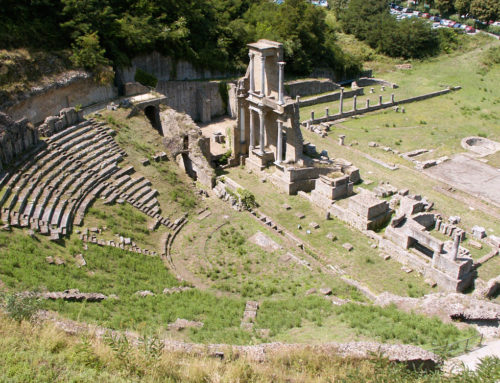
262,58
251,55
281,63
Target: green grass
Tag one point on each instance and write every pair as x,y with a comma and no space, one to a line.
363,263
389,324
34,353
113,271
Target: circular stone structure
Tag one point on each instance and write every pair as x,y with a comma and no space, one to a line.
480,145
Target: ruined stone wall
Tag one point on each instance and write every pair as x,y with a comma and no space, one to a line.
309,87
82,91
191,97
16,137
184,142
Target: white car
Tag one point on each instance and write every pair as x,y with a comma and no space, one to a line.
496,24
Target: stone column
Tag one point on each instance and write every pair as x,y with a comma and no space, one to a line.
456,246
367,103
380,100
252,77
281,80
354,100
252,130
262,132
392,98
242,125
279,144
327,113
312,115
341,106
263,75
341,139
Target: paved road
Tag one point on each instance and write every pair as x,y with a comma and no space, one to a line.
472,359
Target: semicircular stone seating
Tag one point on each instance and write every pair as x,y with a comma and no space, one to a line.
50,188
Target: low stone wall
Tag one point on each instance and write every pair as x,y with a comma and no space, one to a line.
372,108
331,97
79,89
367,81
309,87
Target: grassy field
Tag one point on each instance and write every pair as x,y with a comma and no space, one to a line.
45,354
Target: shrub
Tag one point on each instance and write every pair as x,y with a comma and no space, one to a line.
20,307
87,52
145,78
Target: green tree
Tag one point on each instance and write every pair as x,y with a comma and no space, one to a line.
485,10
445,6
462,6
87,52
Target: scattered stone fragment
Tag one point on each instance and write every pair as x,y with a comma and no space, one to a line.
314,225
430,282
286,206
407,269
387,257
325,291
331,236
348,246
175,290
80,261
300,215
58,261
311,291
144,293
6,227
50,260
144,162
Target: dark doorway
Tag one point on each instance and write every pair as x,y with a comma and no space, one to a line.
153,115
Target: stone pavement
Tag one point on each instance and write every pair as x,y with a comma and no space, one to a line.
472,359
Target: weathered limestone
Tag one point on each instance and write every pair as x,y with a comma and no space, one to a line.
328,189
55,124
451,266
16,137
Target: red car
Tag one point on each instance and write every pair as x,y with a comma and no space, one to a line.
470,29
425,15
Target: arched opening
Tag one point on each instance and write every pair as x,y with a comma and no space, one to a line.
153,115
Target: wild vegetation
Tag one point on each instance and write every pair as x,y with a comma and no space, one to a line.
42,353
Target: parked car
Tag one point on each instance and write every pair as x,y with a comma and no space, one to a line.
425,15
496,24
470,29
436,25
457,25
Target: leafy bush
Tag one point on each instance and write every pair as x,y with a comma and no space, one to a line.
247,199
145,78
20,307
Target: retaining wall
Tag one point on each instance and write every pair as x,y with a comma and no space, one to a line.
199,99
81,91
